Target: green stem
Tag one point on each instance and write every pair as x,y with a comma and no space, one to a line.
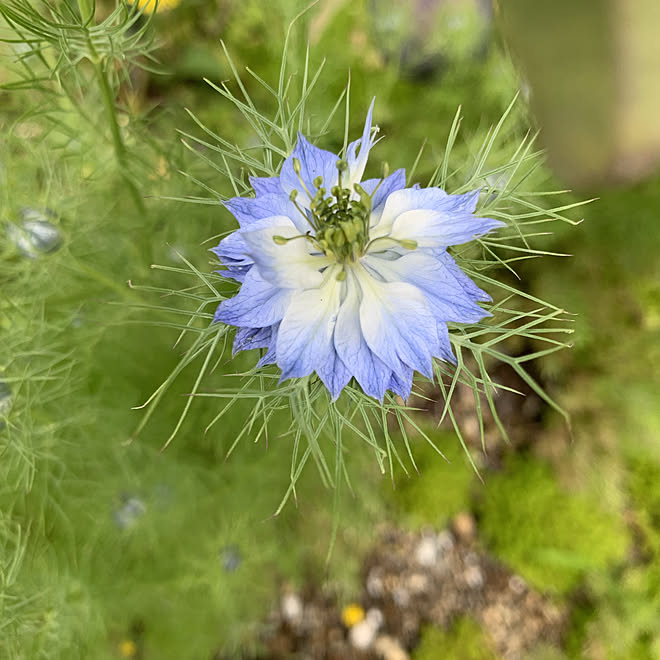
117,141
108,96
85,9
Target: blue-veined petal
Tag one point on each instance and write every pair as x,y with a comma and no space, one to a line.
334,374
395,181
372,374
266,185
291,265
270,356
437,229
432,217
357,160
305,337
401,383
463,280
246,339
314,162
448,300
249,210
397,323
257,304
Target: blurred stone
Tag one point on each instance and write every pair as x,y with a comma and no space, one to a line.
375,617
417,583
291,607
130,512
362,635
473,576
464,527
375,586
517,585
35,235
401,596
426,552
230,558
444,542
388,648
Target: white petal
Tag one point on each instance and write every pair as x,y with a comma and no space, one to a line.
397,323
305,338
289,266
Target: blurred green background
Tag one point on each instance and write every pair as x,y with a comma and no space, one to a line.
110,548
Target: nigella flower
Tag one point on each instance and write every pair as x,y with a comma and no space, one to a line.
349,278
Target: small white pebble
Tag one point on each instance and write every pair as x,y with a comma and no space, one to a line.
375,586
473,577
401,596
389,648
426,552
362,635
517,585
375,617
418,583
444,541
292,609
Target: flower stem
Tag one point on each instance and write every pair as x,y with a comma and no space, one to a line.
86,15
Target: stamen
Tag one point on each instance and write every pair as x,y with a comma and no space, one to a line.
406,243
282,240
297,168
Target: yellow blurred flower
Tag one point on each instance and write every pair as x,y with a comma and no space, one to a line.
150,5
127,648
352,614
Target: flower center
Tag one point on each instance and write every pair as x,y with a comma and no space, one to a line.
341,221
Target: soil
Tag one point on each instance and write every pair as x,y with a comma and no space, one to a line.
411,580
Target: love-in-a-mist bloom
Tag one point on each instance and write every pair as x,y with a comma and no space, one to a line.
349,278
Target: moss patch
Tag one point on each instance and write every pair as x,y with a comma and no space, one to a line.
551,537
463,641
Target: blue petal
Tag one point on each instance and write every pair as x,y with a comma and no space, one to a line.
395,181
314,162
334,374
235,253
371,373
401,383
445,351
470,288
248,210
246,339
447,298
432,218
398,324
289,266
270,357
266,185
305,338
258,303
357,161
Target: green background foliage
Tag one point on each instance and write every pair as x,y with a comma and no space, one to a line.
105,538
